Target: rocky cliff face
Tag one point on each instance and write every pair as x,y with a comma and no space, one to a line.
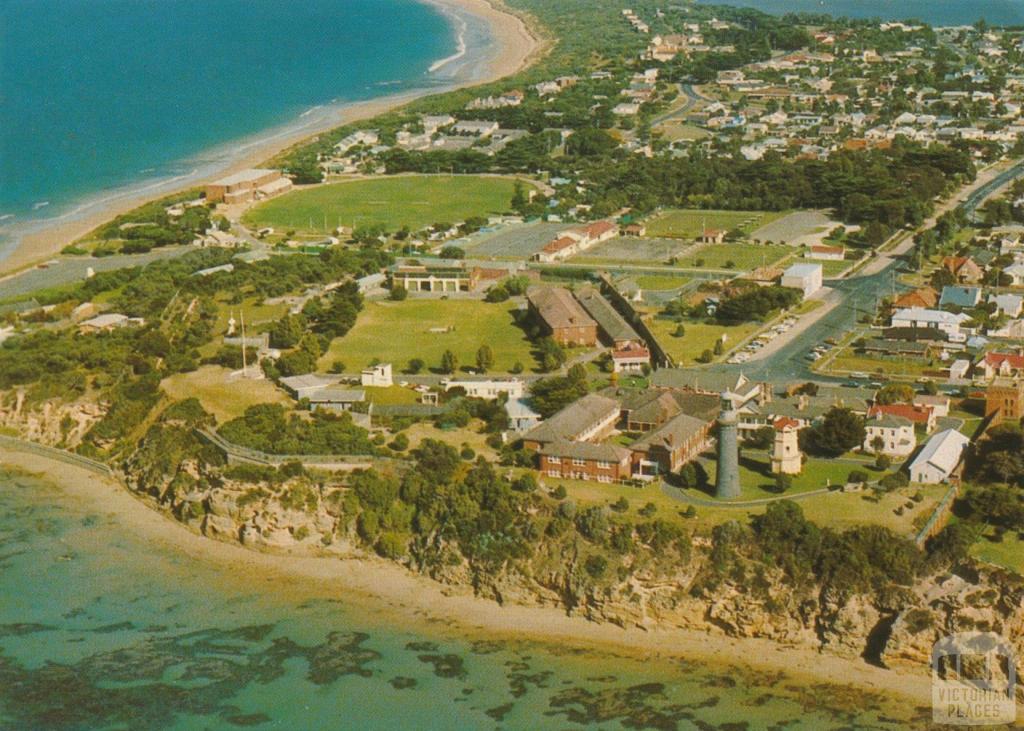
53,422
897,630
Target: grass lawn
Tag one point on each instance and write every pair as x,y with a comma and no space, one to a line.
396,332
658,283
255,314
415,201
743,256
832,269
1008,553
222,396
699,337
688,223
757,481
455,437
848,361
836,510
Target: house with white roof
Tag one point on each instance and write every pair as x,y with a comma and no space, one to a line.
920,317
939,458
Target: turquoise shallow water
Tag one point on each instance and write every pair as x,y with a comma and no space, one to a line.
100,628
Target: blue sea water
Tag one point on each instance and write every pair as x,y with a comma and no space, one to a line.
106,626
99,94
934,12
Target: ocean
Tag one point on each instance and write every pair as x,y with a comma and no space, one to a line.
103,97
102,627
934,12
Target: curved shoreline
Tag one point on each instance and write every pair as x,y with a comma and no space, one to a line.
517,47
390,592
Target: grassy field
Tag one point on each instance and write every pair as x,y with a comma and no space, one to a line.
836,510
393,396
847,362
413,201
743,256
688,223
1008,553
757,481
659,283
698,338
674,131
834,268
222,396
395,332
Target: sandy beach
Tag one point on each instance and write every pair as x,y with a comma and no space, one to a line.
517,46
393,594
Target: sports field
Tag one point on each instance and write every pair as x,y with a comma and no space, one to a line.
416,201
743,257
687,223
396,332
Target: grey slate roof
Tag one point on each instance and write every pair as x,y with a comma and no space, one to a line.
671,434
608,319
574,419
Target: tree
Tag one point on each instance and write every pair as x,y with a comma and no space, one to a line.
415,365
895,393
883,461
783,482
484,358
449,362
840,431
762,438
680,331
452,252
519,197
398,293
706,357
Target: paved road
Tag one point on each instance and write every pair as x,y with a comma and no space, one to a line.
979,194
692,97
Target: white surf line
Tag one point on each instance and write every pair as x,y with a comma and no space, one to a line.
461,49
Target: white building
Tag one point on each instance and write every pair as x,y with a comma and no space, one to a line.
378,375
805,277
947,322
939,457
895,432
490,388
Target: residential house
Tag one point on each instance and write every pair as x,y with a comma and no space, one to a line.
922,297
919,416
939,459
890,435
960,296
1010,305
938,403
1000,364
917,317
1016,274
563,318
963,268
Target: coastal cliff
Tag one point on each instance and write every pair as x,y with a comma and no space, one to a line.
663,578
648,575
